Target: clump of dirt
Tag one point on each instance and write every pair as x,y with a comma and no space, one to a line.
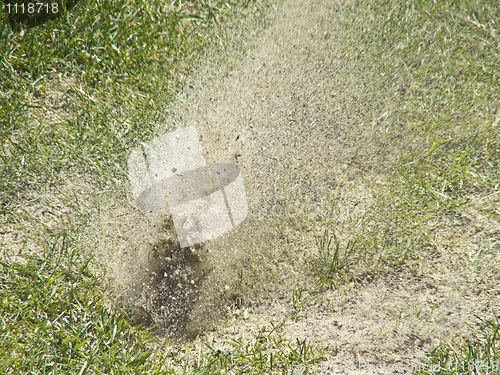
150,276
172,282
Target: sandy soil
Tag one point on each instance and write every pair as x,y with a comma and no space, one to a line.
299,107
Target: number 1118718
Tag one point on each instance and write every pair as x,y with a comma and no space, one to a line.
32,8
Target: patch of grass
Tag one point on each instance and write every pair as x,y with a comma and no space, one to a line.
52,320
268,353
450,57
443,62
120,39
79,91
332,259
478,355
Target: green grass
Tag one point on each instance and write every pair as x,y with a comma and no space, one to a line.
108,70
53,321
332,259
444,60
479,354
268,353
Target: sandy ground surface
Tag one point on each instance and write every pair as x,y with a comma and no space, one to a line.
300,109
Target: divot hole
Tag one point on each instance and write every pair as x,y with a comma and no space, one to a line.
164,294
